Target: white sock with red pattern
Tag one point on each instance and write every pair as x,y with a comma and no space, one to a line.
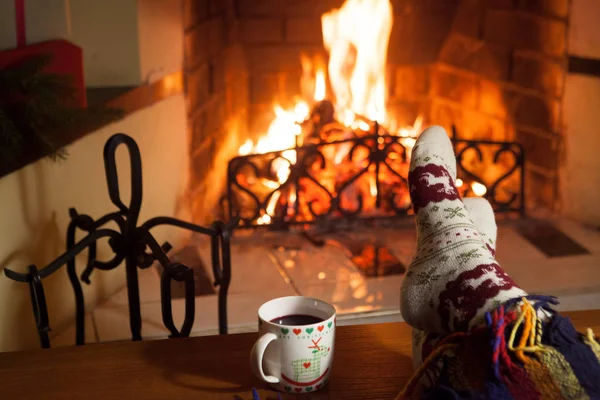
454,278
481,213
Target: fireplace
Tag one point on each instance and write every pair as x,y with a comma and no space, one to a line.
489,71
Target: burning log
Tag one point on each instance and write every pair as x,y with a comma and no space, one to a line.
321,115
336,175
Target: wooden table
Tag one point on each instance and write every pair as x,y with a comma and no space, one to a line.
371,362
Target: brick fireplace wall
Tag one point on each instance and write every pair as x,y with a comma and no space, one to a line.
500,74
216,85
274,35
493,68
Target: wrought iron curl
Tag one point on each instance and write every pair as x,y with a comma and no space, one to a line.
233,170
460,160
380,145
516,150
129,243
390,148
308,160
516,202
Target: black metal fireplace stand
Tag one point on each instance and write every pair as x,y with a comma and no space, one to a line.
134,245
384,151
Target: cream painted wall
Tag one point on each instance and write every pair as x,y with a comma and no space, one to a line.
160,33
36,199
127,42
8,33
107,31
584,38
580,173
124,42
46,19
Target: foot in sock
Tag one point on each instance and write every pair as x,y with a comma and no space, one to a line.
482,215
454,278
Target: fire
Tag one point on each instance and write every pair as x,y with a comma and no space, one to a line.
479,189
281,133
356,37
320,88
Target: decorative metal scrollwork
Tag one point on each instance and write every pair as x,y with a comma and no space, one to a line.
506,189
310,195
136,246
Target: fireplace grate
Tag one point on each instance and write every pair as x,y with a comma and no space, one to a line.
363,178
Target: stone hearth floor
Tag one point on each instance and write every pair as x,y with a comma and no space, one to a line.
271,265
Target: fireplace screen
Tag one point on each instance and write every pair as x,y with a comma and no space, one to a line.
364,177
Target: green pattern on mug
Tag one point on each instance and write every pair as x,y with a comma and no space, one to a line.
288,389
285,331
308,389
309,330
329,324
308,369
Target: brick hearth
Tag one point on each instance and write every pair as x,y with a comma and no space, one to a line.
494,69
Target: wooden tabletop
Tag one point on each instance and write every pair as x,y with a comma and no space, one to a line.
371,362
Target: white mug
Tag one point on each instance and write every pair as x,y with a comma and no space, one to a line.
294,358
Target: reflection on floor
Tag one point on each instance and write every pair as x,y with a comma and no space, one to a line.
558,257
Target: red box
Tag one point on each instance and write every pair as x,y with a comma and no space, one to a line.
67,59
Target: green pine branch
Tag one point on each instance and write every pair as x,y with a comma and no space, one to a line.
37,110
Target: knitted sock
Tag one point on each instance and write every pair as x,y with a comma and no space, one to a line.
454,278
481,213
482,216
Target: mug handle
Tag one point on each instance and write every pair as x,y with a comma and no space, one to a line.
257,354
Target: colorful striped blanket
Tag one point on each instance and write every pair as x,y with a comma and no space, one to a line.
525,350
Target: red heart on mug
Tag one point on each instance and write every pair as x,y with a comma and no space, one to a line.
297,331
319,386
298,390
320,328
306,365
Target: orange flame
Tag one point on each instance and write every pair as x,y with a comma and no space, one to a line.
320,90
357,36
479,189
